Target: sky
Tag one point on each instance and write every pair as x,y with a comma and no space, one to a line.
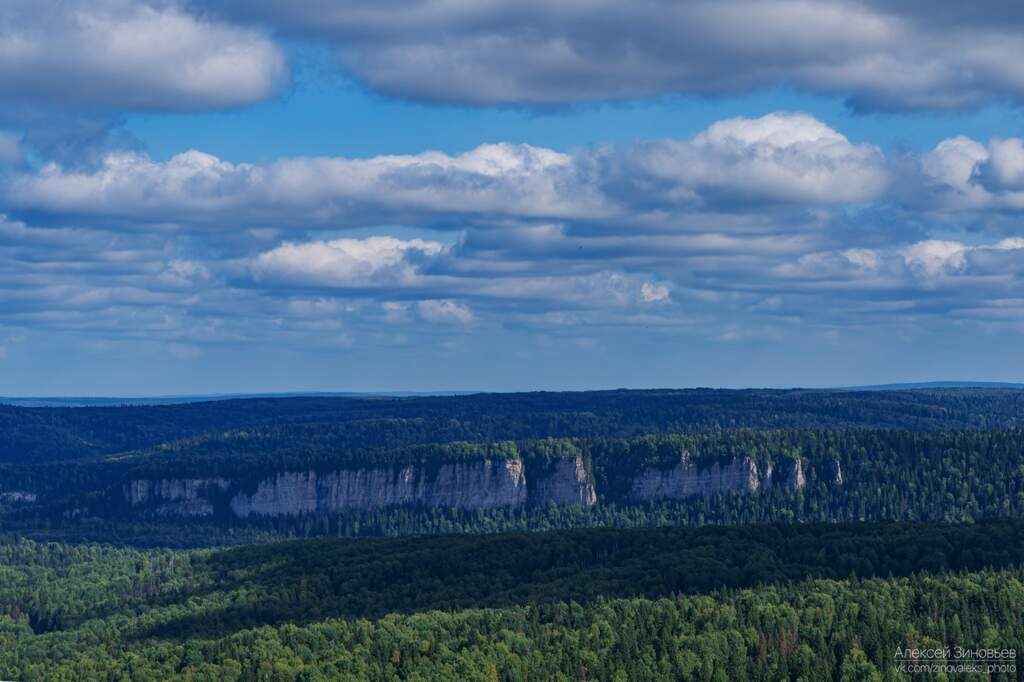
430,195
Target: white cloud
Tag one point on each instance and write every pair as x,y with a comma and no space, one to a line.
777,159
848,264
131,54
1005,167
934,256
197,188
751,226
1010,244
345,262
772,131
865,259
651,292
444,312
964,175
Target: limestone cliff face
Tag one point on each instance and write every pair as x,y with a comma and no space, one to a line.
482,484
175,497
692,479
565,482
688,479
476,484
479,484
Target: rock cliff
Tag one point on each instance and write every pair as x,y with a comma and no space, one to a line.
689,478
795,478
474,484
564,482
175,497
482,484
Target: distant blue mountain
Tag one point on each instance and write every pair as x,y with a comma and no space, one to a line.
934,384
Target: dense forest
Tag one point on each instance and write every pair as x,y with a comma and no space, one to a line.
39,434
763,602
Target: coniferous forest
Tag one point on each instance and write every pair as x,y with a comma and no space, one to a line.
723,535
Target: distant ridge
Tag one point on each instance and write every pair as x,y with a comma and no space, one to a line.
87,401
106,401
934,384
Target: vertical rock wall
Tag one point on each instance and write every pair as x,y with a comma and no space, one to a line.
691,479
566,482
473,484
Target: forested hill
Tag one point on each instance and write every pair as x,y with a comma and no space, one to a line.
33,435
727,477
756,603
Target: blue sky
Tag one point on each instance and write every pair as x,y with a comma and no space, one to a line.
256,195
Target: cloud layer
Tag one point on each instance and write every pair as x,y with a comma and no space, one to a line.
773,228
879,55
765,228
776,160
188,55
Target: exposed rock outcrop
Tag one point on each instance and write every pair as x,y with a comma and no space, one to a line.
691,479
565,482
175,496
482,484
478,484
795,478
471,484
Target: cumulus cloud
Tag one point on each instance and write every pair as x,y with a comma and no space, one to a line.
962,175
753,228
777,159
131,54
198,188
935,256
879,55
345,262
1004,164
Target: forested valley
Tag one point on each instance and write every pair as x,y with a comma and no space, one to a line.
620,535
